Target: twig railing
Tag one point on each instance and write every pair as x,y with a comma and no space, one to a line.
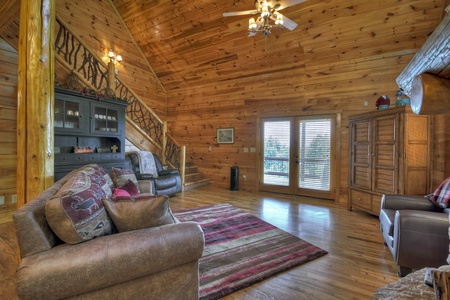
92,70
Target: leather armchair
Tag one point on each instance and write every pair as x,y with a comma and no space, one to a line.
168,181
416,232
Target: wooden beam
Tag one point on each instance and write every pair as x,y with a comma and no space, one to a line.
433,57
430,95
35,166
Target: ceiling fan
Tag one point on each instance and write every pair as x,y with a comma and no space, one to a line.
268,10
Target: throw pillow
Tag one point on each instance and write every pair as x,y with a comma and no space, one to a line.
76,212
121,176
145,211
99,175
120,193
441,196
130,188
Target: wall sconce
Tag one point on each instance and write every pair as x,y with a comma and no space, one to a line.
113,57
112,72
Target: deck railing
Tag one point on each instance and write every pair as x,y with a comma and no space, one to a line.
76,56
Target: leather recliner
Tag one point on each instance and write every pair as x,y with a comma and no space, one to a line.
416,232
168,181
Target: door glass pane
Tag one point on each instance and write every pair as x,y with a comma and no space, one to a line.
276,152
314,154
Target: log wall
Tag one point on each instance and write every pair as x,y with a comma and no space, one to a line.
8,142
342,58
214,76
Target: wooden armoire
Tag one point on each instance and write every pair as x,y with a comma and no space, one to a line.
389,153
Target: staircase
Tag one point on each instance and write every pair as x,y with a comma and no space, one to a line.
193,178
89,71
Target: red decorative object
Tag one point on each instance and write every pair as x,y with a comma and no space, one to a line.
383,100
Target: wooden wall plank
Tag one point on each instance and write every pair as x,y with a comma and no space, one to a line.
8,126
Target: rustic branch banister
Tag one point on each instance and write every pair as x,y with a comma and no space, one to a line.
74,54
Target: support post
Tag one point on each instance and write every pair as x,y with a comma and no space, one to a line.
35,99
182,166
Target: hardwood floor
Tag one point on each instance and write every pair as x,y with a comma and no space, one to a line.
356,265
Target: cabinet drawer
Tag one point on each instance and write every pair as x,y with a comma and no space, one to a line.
361,200
63,158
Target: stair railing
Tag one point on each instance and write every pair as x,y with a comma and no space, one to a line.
76,56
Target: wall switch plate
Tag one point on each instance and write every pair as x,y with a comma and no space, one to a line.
2,200
245,150
14,198
244,177
252,149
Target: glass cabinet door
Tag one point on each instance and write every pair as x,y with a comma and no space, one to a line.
105,119
68,115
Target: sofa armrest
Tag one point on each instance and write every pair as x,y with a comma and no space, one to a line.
421,238
408,202
145,187
168,172
69,270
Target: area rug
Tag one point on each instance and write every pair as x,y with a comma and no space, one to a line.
241,249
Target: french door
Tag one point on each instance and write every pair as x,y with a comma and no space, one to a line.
297,155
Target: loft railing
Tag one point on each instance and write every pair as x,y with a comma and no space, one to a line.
75,55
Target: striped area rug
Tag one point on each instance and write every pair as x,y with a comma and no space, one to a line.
241,249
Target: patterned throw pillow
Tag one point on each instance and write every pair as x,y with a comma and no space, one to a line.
76,212
121,176
145,211
441,196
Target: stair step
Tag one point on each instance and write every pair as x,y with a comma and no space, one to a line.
193,185
192,177
190,170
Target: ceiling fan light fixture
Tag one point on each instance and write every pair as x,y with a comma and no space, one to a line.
265,11
279,21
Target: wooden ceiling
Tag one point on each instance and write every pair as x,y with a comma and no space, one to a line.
190,43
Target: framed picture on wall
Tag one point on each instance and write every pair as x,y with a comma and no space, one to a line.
225,135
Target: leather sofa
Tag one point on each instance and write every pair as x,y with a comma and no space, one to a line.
150,263
168,181
416,232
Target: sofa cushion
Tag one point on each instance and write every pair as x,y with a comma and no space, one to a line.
121,176
76,212
144,211
441,196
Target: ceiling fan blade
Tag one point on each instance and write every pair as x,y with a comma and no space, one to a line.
240,13
286,3
288,23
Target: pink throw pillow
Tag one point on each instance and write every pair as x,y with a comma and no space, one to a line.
120,193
